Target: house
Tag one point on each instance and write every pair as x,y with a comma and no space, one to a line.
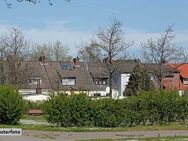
169,74
90,78
67,77
182,80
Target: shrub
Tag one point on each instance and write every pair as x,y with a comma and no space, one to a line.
148,108
69,110
108,112
11,105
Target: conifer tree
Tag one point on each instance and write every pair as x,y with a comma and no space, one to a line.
139,81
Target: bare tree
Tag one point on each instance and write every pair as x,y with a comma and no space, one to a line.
14,53
158,52
53,51
90,52
40,50
60,52
111,42
2,61
9,4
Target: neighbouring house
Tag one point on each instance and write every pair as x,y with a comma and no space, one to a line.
182,81
99,75
67,77
170,76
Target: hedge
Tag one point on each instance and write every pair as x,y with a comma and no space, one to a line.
148,108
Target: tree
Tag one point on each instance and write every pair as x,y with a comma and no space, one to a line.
60,52
139,80
14,53
111,42
40,50
146,83
53,51
11,105
9,4
160,51
90,52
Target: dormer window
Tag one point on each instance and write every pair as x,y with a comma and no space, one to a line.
66,66
69,81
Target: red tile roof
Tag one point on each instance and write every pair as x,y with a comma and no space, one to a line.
183,68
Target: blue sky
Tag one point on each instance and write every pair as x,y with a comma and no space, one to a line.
74,22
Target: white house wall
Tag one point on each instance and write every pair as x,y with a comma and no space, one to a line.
124,82
30,94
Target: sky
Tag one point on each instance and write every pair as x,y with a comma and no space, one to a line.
75,22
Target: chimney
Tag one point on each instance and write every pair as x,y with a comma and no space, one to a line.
76,62
38,89
43,59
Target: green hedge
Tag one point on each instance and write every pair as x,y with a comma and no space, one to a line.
148,108
11,105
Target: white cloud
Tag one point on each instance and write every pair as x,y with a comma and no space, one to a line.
53,31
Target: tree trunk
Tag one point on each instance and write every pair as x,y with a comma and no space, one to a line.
110,85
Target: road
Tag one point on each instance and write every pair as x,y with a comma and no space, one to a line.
72,136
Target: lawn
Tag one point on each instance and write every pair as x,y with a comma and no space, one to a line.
40,123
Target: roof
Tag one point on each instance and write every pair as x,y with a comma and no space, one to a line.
127,66
53,72
97,69
154,68
182,68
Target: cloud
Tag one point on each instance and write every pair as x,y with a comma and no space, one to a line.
141,36
52,31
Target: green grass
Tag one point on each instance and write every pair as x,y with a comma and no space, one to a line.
175,138
172,126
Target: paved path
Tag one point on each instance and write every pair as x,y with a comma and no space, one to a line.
72,136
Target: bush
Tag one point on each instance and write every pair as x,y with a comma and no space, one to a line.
108,112
148,108
69,110
11,105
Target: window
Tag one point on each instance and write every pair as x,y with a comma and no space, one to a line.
35,81
185,81
66,66
100,81
69,81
